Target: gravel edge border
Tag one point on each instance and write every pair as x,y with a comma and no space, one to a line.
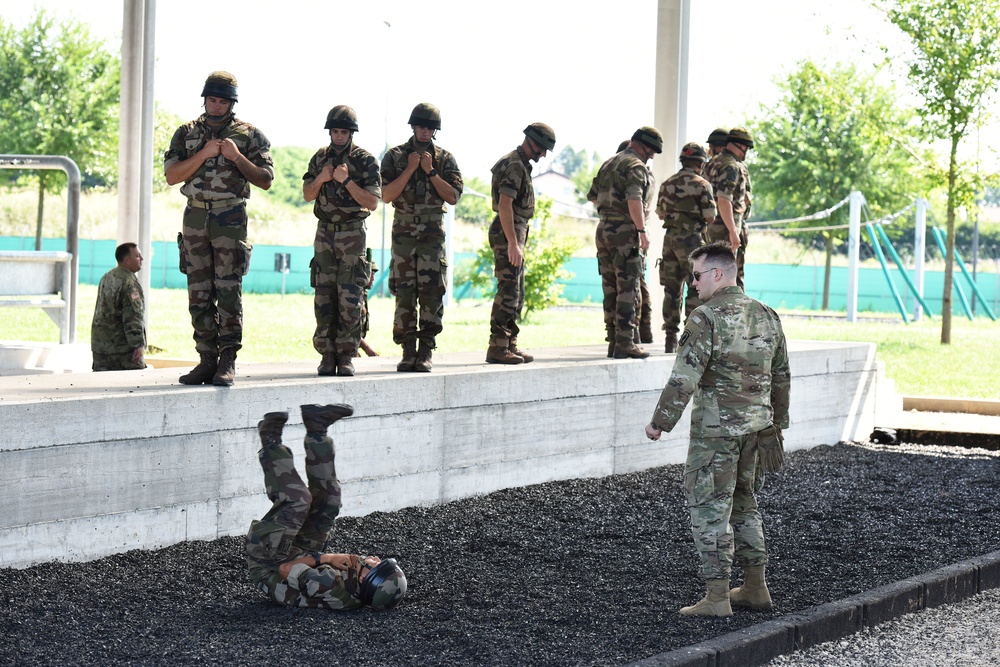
763,642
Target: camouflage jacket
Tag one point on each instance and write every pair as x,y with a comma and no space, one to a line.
218,178
730,178
622,177
419,195
118,325
319,587
334,203
512,177
684,204
732,358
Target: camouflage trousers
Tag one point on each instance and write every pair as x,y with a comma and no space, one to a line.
619,261
509,299
300,520
717,232
215,255
418,277
720,482
116,362
644,307
339,272
675,276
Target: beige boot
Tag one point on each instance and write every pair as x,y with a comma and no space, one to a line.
715,602
753,593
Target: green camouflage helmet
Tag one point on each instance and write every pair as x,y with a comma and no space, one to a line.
718,137
649,136
541,134
342,117
694,151
220,84
741,135
426,115
622,146
384,586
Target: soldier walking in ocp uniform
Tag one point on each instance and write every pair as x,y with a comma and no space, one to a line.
730,179
686,206
343,180
217,157
419,178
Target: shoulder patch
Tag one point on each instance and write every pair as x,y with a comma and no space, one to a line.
134,295
684,338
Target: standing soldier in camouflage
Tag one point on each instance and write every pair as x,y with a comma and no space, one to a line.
419,179
620,191
686,206
717,141
732,358
217,157
514,204
118,332
285,549
730,179
344,182
644,306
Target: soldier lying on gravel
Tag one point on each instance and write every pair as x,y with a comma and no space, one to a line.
284,549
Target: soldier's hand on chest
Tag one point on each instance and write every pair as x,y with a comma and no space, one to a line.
229,149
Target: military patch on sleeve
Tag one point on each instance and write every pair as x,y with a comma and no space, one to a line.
684,338
134,295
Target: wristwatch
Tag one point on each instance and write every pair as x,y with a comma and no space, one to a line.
432,173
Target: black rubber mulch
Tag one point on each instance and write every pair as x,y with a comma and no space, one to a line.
583,572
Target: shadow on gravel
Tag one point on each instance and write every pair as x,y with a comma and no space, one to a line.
567,573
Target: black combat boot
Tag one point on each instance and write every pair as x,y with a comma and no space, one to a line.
645,332
409,357
670,344
423,364
203,372
316,418
327,365
270,428
226,372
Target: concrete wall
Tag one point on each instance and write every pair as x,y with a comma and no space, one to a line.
93,464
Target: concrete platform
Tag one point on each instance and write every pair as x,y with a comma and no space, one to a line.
99,463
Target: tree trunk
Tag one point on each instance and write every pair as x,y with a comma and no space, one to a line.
41,210
828,237
949,258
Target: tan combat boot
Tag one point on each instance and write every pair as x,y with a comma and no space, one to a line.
203,372
629,350
225,374
409,357
270,427
715,602
502,355
753,593
423,364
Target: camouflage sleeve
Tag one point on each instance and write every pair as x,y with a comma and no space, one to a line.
781,380
389,172
693,354
725,187
370,179
707,203
510,180
662,201
315,165
259,151
451,173
132,307
177,151
635,183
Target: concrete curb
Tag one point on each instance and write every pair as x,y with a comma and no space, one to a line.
763,642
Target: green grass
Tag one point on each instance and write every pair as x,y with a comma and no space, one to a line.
280,329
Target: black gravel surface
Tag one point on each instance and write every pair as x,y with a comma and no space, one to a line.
583,572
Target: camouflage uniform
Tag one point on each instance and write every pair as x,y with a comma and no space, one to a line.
684,202
419,268
118,328
619,258
511,177
730,178
732,358
340,271
214,251
300,522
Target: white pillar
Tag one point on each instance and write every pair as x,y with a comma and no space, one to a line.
919,252
853,246
146,158
129,142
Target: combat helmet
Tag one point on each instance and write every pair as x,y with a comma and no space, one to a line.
384,586
427,115
694,151
741,135
649,136
718,137
220,84
342,117
541,134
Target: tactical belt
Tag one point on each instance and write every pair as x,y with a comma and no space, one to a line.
427,217
354,223
221,203
615,220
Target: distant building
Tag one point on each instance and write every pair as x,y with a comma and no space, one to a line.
565,198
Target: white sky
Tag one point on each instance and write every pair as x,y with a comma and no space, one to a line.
586,67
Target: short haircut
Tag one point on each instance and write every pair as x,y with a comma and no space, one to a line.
718,254
122,251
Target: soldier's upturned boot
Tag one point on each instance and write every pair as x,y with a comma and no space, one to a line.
629,351
345,367
715,602
409,357
203,372
328,364
270,428
753,593
423,364
670,344
225,374
316,418
514,349
645,332
502,355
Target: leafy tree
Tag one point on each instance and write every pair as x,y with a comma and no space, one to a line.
472,208
290,162
832,131
583,179
60,97
570,160
955,66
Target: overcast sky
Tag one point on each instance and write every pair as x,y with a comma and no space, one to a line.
585,67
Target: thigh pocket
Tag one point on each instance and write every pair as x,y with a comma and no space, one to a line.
313,273
182,258
242,257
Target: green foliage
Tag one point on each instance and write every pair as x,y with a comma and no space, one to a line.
473,208
545,255
290,162
164,126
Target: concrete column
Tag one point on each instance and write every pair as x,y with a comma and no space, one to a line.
919,251
129,132
853,252
146,158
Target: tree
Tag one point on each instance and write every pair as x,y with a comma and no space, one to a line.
290,162
473,208
60,97
832,131
570,160
954,65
